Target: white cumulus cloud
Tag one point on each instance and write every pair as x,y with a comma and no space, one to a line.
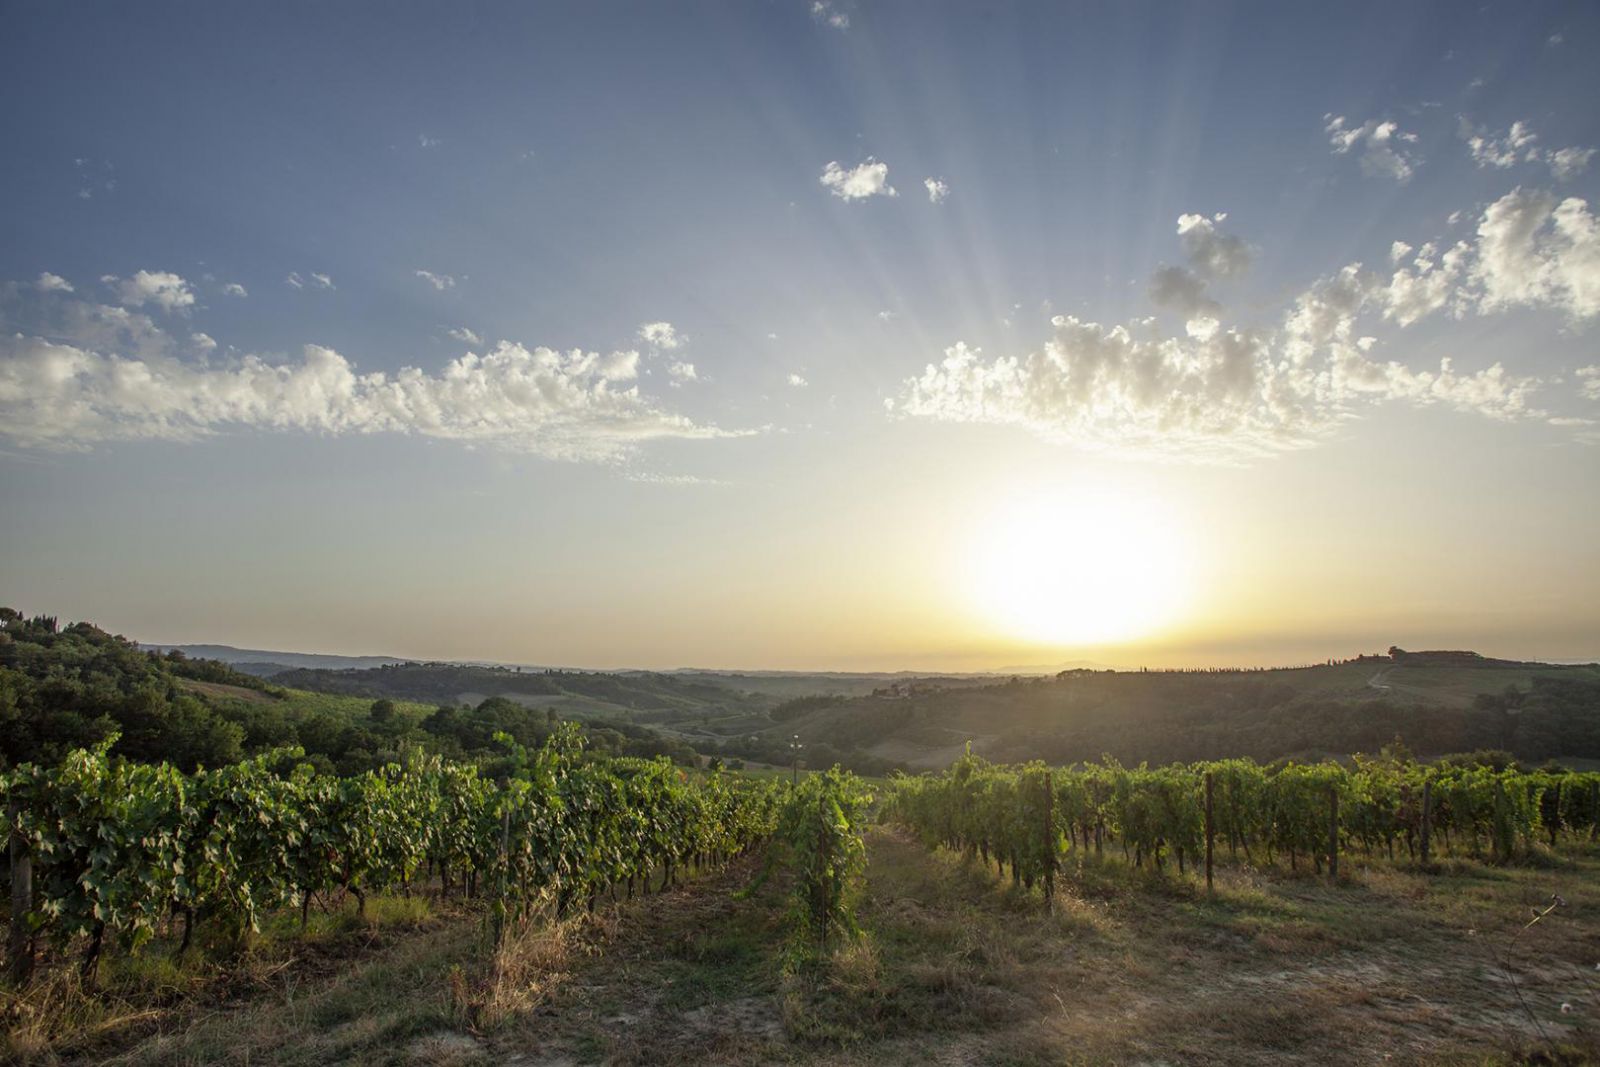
870,178
162,288
234,289
937,190
52,283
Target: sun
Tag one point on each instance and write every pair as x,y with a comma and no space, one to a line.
1088,568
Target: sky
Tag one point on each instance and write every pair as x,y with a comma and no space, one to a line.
792,334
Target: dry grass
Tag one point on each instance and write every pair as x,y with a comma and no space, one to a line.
1392,965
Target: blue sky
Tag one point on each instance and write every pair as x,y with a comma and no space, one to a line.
563,175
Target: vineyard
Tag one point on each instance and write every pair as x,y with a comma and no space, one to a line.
908,919
106,851
1031,818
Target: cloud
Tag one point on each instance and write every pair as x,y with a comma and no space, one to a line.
1211,255
1386,150
886,316
1183,289
52,283
661,335
1589,382
573,405
424,141
461,333
1536,251
441,282
682,372
797,381
866,179
1226,397
1519,144
1227,393
824,11
937,190
234,289
166,290
320,281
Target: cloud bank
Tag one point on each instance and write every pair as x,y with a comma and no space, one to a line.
1227,394
96,373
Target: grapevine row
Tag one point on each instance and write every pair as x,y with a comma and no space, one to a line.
1028,817
117,847
818,837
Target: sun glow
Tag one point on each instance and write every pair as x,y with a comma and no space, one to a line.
1090,568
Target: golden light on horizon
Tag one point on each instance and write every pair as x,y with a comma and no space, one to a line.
1089,568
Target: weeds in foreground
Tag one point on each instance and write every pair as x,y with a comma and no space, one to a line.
524,969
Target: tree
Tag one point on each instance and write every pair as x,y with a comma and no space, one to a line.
382,711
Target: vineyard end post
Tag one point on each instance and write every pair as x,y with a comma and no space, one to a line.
1333,833
1210,830
1427,817
21,947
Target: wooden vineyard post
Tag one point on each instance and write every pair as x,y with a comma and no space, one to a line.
1427,817
1049,843
1333,833
1210,830
823,853
1594,809
21,949
505,863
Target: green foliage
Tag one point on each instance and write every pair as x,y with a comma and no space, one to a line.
818,838
1265,812
119,845
72,688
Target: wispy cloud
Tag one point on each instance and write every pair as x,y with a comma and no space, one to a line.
1385,149
1520,144
319,281
824,11
461,333
661,335
937,190
441,282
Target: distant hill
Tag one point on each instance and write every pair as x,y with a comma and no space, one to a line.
256,658
1436,703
